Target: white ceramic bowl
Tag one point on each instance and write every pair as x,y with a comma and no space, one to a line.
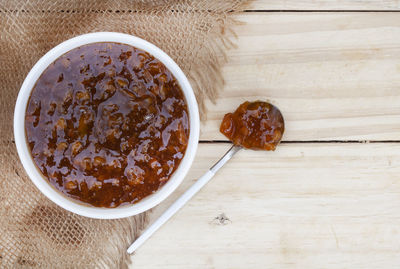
42,183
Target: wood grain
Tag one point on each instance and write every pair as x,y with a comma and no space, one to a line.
335,76
304,206
325,5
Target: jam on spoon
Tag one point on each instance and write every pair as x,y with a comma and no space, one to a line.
254,125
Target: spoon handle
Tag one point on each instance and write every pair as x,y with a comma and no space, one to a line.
178,204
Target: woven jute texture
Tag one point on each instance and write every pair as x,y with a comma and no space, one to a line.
34,232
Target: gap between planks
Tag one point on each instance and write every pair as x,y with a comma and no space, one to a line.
313,141
318,11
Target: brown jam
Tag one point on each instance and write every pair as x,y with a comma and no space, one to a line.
107,124
254,125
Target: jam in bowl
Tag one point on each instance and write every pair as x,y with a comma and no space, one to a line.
106,125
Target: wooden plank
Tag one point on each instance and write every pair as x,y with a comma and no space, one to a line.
334,75
332,205
325,5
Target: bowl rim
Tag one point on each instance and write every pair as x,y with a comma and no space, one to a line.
42,183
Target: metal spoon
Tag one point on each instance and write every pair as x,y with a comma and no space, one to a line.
271,114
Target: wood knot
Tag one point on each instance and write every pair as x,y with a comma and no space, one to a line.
221,219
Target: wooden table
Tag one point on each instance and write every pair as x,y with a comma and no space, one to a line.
329,197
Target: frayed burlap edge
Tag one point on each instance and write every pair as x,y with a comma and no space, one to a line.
206,78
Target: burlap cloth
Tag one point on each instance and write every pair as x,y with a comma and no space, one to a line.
34,232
